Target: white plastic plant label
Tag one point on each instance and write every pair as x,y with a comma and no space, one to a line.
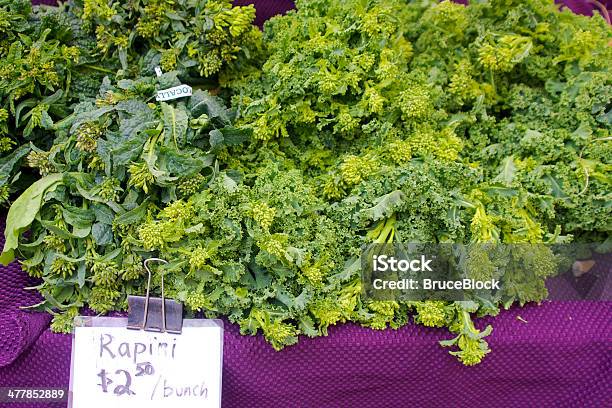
176,92
120,368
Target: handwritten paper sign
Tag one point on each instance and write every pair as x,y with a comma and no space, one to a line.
119,368
174,93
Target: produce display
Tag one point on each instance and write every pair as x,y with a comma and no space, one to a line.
346,124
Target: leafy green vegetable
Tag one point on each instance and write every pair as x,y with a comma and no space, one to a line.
367,123
261,253
44,67
22,213
113,162
54,57
199,36
441,123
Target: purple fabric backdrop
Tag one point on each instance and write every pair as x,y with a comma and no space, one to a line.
560,357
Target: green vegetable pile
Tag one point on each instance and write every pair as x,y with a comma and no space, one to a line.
193,36
44,68
346,125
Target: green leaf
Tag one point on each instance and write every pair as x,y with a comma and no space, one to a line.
64,294
583,131
176,123
235,136
103,214
89,116
352,267
229,183
102,233
7,164
499,190
134,215
81,274
216,139
487,331
23,211
141,117
50,225
227,136
462,202
181,163
557,189
449,342
507,171
307,326
203,102
81,232
111,255
78,217
124,151
385,206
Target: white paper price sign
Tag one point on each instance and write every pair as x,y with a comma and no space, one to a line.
116,367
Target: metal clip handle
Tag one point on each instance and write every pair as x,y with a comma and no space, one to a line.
163,299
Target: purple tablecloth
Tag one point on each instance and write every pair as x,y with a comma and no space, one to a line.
557,355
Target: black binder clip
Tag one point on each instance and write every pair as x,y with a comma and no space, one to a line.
155,314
